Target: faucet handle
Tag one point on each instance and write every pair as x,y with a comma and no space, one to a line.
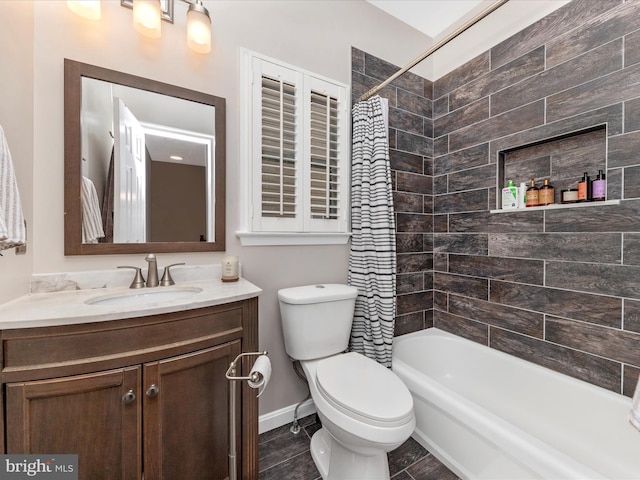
138,281
166,276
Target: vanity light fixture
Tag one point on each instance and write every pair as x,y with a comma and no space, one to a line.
198,27
89,9
147,18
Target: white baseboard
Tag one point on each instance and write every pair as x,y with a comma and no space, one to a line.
277,418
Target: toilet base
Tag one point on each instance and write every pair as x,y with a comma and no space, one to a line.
334,462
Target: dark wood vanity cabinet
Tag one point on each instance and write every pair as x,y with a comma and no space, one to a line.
147,394
83,415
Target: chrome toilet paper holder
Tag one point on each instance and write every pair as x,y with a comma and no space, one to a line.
231,375
231,371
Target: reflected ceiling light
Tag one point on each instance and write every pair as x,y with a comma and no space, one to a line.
175,157
198,27
89,9
147,18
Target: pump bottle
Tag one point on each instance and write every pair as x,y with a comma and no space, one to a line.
532,194
584,188
546,194
599,188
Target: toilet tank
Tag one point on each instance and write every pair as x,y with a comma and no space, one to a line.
316,319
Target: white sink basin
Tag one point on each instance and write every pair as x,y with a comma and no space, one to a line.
144,296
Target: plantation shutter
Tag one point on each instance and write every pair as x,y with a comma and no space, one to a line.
299,152
324,156
277,150
326,186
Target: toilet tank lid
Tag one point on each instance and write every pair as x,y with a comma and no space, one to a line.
326,292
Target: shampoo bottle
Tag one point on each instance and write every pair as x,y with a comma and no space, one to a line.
599,188
584,188
546,194
532,194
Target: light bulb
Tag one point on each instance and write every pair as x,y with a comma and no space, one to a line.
147,17
89,9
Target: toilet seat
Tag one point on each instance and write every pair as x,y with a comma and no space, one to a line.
363,389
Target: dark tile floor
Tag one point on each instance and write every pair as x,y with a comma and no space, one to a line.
285,456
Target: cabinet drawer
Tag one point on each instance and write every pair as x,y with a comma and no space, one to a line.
117,343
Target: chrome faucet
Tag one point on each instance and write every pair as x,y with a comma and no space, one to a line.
152,271
152,274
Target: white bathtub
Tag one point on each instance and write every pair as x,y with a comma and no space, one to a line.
486,414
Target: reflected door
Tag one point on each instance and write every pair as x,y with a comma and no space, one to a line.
129,209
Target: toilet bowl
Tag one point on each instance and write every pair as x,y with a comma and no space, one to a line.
365,409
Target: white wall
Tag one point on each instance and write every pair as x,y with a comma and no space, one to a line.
314,35
16,119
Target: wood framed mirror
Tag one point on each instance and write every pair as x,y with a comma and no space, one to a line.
144,165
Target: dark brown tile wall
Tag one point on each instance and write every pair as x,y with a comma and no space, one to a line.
573,300
557,287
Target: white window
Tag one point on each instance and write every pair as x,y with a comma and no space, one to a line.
294,155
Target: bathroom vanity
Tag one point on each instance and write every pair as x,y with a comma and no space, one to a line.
132,390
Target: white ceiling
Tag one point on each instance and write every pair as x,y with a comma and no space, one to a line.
438,19
431,17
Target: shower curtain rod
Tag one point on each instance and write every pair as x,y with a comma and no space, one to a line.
434,48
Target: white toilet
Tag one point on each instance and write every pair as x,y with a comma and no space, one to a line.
365,409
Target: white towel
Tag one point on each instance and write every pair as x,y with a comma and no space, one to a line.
91,216
634,414
4,231
13,232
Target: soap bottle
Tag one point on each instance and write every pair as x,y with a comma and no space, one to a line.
599,188
584,188
546,193
532,194
510,196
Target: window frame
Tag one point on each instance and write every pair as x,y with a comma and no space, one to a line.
303,230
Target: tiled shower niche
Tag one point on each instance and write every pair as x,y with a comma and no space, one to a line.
562,160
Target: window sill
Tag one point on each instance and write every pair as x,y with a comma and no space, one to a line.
256,239
557,206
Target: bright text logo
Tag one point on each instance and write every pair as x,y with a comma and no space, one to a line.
44,467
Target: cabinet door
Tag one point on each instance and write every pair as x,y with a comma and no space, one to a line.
92,416
186,415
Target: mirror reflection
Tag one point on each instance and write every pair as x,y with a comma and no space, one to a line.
144,165
150,160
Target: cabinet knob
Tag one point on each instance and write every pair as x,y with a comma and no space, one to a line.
129,397
153,390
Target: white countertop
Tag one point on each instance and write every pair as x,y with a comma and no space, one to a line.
69,307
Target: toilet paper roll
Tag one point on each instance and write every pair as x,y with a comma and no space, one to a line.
260,372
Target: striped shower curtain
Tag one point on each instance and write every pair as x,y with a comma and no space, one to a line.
372,260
